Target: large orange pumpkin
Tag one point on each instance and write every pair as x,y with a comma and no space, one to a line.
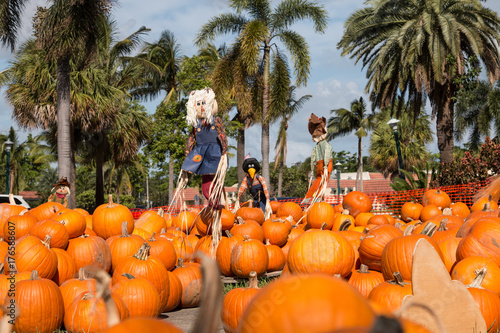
465,271
436,197
90,250
66,267
59,237
276,231
140,296
335,257
487,301
151,221
108,218
357,202
40,305
71,220
190,277
319,213
307,303
46,210
236,301
373,244
74,287
365,280
247,256
223,253
18,226
389,295
290,209
410,211
248,228
123,246
482,240
175,292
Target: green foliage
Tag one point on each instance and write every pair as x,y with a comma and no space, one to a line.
471,168
231,176
86,200
295,182
410,183
193,74
467,82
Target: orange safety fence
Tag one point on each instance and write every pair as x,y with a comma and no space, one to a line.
382,202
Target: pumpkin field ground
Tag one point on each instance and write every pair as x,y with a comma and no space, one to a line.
184,318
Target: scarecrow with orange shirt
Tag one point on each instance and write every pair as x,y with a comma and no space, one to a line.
321,159
257,185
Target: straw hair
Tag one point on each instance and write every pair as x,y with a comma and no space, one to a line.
217,193
179,191
206,94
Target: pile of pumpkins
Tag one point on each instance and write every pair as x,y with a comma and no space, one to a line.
343,260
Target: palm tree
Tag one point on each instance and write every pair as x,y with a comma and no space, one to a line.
292,107
345,122
162,61
477,113
258,36
233,83
421,47
383,156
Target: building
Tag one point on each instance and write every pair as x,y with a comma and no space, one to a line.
372,182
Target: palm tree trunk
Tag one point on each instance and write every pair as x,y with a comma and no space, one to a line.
359,174
64,150
444,121
117,194
72,185
170,178
265,124
99,175
280,180
240,155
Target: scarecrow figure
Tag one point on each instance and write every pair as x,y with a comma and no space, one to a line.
321,158
60,192
206,155
206,149
257,183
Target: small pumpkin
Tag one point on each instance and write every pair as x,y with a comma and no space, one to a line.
436,197
365,280
140,296
247,256
108,218
190,277
276,230
389,295
90,250
123,246
357,202
276,257
223,253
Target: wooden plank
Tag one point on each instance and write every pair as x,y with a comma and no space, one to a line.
235,280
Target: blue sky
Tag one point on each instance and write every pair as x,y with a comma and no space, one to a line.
334,80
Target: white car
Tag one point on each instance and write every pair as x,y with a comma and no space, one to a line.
19,200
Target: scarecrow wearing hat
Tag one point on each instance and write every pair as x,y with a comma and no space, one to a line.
257,184
321,158
60,192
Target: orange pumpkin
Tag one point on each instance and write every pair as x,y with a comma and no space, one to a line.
108,218
164,250
336,255
429,211
59,237
479,204
365,280
90,250
481,241
18,226
185,221
143,265
140,296
436,197
487,301
247,256
190,277
319,213
357,202
299,306
389,295
250,213
175,292
248,228
410,211
151,221
72,220
66,267
373,244
460,209
465,271
223,253
123,246
74,287
45,210
290,209
236,301
40,305
449,249
277,259
276,231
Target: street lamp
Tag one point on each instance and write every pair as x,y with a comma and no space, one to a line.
393,123
8,147
337,169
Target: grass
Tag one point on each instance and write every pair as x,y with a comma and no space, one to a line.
263,281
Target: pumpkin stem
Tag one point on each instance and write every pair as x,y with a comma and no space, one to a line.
363,269
34,275
23,212
447,211
11,200
125,229
442,225
161,212
365,231
56,209
323,226
267,242
152,239
162,231
46,241
103,281
478,280
487,207
228,234
128,276
345,225
409,229
239,220
429,229
81,274
345,212
246,238
338,276
253,282
110,201
398,225
180,262
398,278
143,252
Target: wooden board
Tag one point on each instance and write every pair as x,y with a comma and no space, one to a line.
228,280
439,303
